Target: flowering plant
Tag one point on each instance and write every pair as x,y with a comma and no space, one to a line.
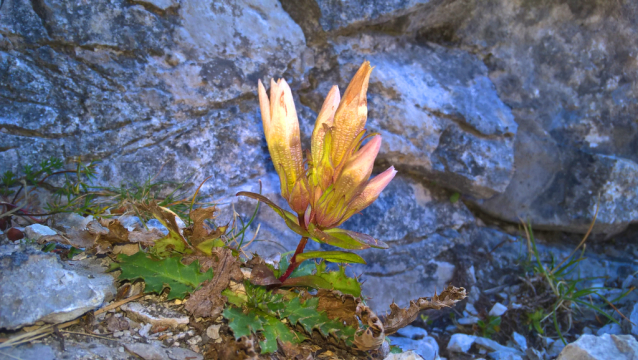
335,184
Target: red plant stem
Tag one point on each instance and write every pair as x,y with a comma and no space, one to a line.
293,260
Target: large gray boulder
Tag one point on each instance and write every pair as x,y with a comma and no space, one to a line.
141,84
565,68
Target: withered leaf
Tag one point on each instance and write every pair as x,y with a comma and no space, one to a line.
338,306
199,231
372,337
208,300
263,276
400,318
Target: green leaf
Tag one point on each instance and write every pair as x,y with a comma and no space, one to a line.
332,280
236,299
306,267
274,329
345,239
334,256
306,315
157,274
207,246
242,324
455,197
291,219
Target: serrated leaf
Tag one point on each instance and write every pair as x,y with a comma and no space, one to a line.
242,324
334,256
170,272
274,329
306,315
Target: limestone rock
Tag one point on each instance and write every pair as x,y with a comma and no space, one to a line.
591,347
36,231
426,347
438,112
461,343
38,286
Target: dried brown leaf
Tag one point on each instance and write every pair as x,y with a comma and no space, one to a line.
338,306
372,337
116,233
208,300
400,318
263,276
126,249
166,217
199,231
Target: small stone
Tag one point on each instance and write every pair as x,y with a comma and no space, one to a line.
120,349
426,347
498,309
587,331
555,348
590,347
470,320
520,341
471,309
195,348
190,332
178,302
413,332
611,329
118,334
36,231
213,332
492,345
144,330
408,355
504,355
194,340
461,343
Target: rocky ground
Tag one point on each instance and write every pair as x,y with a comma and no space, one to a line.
97,317
492,111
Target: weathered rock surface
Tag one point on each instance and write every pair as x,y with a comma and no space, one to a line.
408,269
565,69
140,83
590,347
438,112
36,286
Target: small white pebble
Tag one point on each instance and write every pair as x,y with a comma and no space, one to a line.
120,349
213,332
498,309
191,332
118,334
